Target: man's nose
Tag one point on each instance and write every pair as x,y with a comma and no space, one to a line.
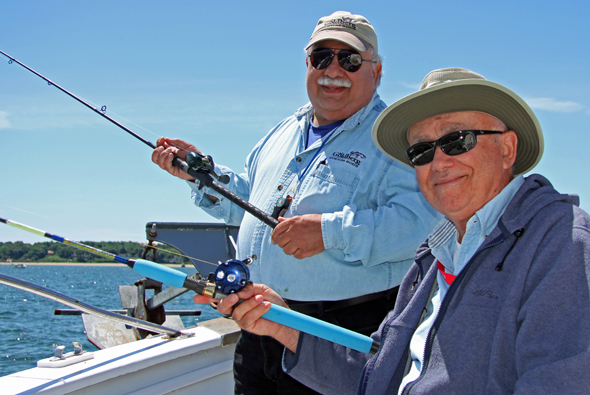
334,69
441,161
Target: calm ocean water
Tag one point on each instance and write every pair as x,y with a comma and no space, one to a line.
28,329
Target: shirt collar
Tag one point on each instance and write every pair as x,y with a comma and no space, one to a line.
479,226
307,112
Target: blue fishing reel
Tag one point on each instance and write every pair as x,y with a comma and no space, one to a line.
231,276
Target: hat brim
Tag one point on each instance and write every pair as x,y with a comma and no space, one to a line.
391,127
342,36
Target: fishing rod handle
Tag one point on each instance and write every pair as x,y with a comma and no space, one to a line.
161,273
322,329
208,181
278,314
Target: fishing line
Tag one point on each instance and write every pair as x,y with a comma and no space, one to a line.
178,253
155,247
100,112
105,110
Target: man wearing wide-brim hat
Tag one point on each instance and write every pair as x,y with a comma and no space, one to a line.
498,298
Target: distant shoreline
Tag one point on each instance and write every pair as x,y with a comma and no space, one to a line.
74,264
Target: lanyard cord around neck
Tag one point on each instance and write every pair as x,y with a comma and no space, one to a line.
324,140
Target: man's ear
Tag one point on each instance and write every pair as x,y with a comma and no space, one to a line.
509,142
377,72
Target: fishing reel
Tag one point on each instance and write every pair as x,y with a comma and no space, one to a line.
204,164
231,276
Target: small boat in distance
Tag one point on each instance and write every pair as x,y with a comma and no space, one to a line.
19,265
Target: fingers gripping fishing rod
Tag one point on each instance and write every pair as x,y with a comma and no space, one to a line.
229,277
200,167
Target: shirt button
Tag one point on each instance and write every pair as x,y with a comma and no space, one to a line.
254,257
298,159
280,187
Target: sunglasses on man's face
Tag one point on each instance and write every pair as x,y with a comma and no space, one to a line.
349,60
454,143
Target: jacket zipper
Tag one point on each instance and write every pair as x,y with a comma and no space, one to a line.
429,337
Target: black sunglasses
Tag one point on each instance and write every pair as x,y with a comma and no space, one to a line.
454,143
349,60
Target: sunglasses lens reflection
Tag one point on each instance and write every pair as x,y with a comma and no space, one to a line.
349,60
454,143
321,58
421,153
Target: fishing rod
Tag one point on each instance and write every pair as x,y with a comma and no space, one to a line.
144,267
229,277
197,165
85,307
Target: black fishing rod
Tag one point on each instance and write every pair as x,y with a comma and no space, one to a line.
199,166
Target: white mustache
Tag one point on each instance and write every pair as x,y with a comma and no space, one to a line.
334,82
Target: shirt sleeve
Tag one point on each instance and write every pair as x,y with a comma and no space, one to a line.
391,231
223,208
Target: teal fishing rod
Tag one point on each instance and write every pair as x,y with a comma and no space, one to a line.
197,165
229,277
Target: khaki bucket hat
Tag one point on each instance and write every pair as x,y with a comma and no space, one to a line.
456,89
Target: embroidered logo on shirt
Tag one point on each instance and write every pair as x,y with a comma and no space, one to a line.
353,158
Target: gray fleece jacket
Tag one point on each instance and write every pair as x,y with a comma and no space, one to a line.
515,321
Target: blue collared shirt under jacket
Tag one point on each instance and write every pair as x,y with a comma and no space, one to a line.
373,214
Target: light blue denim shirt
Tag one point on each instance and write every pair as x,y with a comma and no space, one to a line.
454,257
373,214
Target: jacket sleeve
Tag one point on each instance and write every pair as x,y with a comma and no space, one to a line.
333,369
553,341
326,367
398,222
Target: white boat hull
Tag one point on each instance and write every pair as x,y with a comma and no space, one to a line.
188,365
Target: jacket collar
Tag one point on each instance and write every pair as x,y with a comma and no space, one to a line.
535,194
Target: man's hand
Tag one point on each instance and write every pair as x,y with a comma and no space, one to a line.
257,300
299,236
164,154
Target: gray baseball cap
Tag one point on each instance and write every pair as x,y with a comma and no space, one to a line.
354,30
455,89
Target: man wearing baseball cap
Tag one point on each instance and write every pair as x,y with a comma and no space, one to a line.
327,256
498,298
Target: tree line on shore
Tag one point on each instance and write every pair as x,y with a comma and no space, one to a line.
57,252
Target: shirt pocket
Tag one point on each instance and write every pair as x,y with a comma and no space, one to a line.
326,190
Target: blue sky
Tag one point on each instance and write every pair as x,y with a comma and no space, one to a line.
221,74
